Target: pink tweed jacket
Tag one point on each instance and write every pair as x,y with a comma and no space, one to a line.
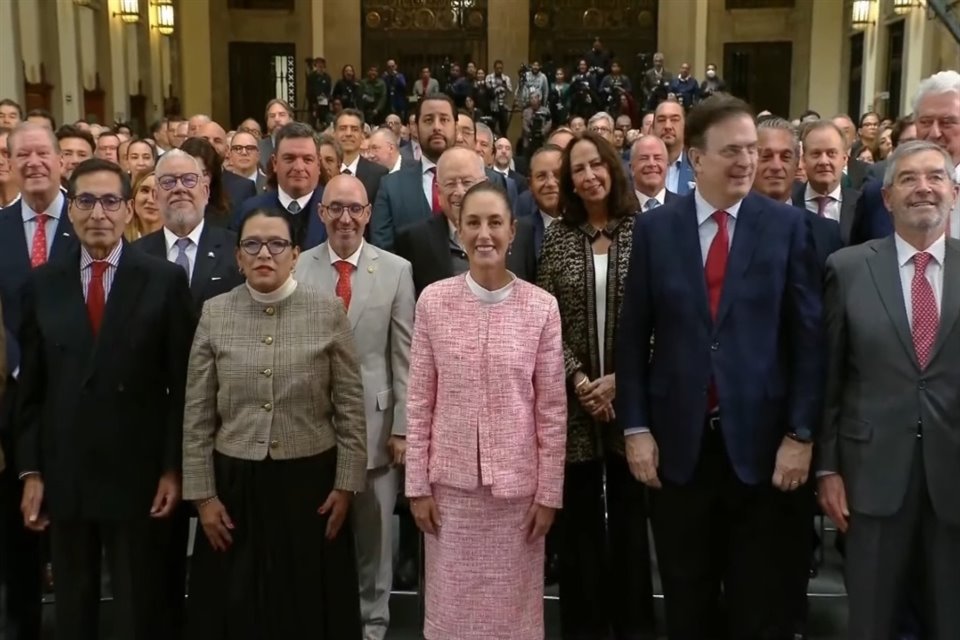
486,399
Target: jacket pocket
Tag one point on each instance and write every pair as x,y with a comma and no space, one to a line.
853,429
385,399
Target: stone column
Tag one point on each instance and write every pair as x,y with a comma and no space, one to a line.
11,65
508,39
193,27
827,39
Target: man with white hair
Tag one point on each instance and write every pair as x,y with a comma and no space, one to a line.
648,165
936,110
384,150
195,123
602,124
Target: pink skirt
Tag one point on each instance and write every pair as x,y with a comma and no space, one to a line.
483,580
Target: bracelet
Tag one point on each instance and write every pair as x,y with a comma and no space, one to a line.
581,383
205,502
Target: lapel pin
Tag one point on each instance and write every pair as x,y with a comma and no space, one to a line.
371,269
210,255
66,235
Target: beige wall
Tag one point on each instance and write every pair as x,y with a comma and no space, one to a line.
11,69
341,35
195,39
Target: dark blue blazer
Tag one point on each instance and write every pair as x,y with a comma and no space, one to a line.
237,188
525,205
764,352
872,219
316,231
400,203
686,175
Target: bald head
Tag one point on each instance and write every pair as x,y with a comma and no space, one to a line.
215,135
459,169
194,124
345,213
341,186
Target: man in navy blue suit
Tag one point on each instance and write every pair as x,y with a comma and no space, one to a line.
668,125
545,167
33,230
296,162
648,166
719,414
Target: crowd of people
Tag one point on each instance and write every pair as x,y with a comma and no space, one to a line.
705,320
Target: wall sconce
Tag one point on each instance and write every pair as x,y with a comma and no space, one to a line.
860,16
129,11
165,19
901,7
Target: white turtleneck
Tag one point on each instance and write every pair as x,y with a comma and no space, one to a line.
283,292
486,296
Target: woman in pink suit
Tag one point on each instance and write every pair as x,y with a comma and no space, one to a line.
486,435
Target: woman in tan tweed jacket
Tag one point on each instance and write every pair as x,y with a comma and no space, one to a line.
274,447
605,583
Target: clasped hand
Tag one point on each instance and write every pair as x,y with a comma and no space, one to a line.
597,396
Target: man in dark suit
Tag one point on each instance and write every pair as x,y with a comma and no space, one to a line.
824,156
277,115
297,167
206,255
410,196
33,230
502,155
719,418
348,130
244,156
856,171
105,339
433,246
668,125
887,455
545,165
648,169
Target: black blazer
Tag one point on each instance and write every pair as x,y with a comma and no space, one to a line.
238,190
848,207
427,246
370,173
215,270
400,203
102,417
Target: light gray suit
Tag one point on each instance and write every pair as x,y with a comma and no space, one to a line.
892,431
381,310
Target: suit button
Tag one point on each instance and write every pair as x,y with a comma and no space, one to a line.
274,444
923,385
268,372
268,407
268,340
269,311
120,388
715,346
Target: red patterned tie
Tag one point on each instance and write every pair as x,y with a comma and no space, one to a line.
38,249
926,318
714,271
96,300
344,290
435,202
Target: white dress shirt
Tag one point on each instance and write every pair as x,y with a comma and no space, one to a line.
832,210
171,238
253,176
547,219
285,199
933,272
673,173
397,164
661,198
425,166
29,217
352,167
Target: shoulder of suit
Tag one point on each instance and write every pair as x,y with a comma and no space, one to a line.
855,254
388,260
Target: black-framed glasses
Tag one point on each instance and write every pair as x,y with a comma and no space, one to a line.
275,246
109,202
188,180
336,209
244,148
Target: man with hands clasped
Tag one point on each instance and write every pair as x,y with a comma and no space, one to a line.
719,416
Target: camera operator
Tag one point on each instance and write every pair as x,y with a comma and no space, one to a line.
584,101
499,84
559,97
373,97
598,60
613,86
457,87
536,124
396,90
319,86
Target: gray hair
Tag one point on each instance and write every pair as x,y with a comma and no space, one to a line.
486,131
937,84
633,147
597,117
914,147
779,124
25,126
388,136
174,154
441,164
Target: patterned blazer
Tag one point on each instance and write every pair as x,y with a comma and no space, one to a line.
566,270
279,380
486,398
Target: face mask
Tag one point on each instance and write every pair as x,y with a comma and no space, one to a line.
711,73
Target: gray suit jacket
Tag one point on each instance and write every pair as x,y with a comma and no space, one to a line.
878,399
381,315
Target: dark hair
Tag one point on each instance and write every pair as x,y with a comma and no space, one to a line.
153,149
808,113
437,97
354,113
547,148
621,201
70,131
485,186
898,127
7,102
43,113
282,103
710,112
96,165
496,62
866,115
268,212
294,130
109,133
822,125
204,151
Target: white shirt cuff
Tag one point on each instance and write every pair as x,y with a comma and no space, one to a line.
635,430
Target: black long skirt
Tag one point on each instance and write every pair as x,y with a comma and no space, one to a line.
281,578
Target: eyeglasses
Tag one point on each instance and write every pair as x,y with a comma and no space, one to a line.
596,129
451,185
336,209
244,148
87,202
274,247
188,180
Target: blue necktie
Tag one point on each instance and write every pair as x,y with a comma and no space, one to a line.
651,204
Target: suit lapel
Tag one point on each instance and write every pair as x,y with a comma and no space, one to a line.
70,290
687,241
440,245
886,278
13,229
316,232
207,254
747,231
950,305
63,236
848,209
128,283
363,282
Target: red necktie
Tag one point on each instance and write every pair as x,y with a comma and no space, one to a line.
38,249
435,201
344,291
95,296
926,318
714,271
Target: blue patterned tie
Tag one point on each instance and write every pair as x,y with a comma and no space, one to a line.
651,204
